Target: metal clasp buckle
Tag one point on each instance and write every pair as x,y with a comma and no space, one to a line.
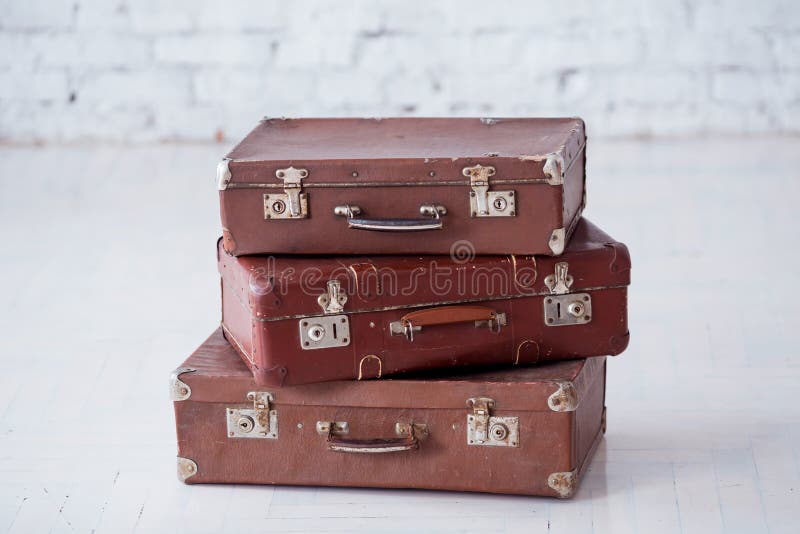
293,203
485,203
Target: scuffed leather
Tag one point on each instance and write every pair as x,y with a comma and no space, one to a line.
407,150
550,441
255,297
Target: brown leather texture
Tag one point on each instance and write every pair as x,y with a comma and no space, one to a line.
391,167
266,300
559,406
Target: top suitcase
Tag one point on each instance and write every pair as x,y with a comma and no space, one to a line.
370,186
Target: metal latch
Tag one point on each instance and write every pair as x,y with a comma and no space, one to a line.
485,203
562,308
333,301
486,429
292,203
260,421
324,332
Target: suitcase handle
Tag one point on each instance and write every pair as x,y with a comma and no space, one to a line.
433,212
410,436
482,316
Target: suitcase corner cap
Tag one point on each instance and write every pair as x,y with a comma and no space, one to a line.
223,174
564,399
187,468
558,241
178,389
564,484
554,168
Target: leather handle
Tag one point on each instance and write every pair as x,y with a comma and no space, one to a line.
449,315
373,446
432,211
481,316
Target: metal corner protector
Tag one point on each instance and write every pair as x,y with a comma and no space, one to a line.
564,399
558,241
223,174
187,468
565,484
178,389
554,168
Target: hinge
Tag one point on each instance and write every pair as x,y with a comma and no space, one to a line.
333,301
562,308
292,203
260,421
485,203
486,429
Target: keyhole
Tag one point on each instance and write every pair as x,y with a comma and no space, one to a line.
500,203
278,206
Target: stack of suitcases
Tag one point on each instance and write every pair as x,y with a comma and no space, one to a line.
406,303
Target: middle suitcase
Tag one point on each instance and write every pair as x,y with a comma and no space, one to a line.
305,319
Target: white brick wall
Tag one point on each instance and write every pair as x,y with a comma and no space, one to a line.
150,70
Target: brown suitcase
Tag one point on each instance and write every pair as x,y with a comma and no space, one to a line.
525,431
299,320
338,186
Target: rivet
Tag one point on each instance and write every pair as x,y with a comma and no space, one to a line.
432,173
300,425
355,174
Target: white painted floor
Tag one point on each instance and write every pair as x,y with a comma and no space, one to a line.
109,280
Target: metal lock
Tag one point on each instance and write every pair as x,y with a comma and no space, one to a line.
246,424
292,203
486,429
562,308
485,203
260,421
324,332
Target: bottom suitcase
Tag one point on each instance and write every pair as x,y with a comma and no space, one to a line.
527,431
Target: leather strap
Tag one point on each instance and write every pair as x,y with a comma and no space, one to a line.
449,315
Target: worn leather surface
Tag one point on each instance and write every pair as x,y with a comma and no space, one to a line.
265,297
357,159
549,441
